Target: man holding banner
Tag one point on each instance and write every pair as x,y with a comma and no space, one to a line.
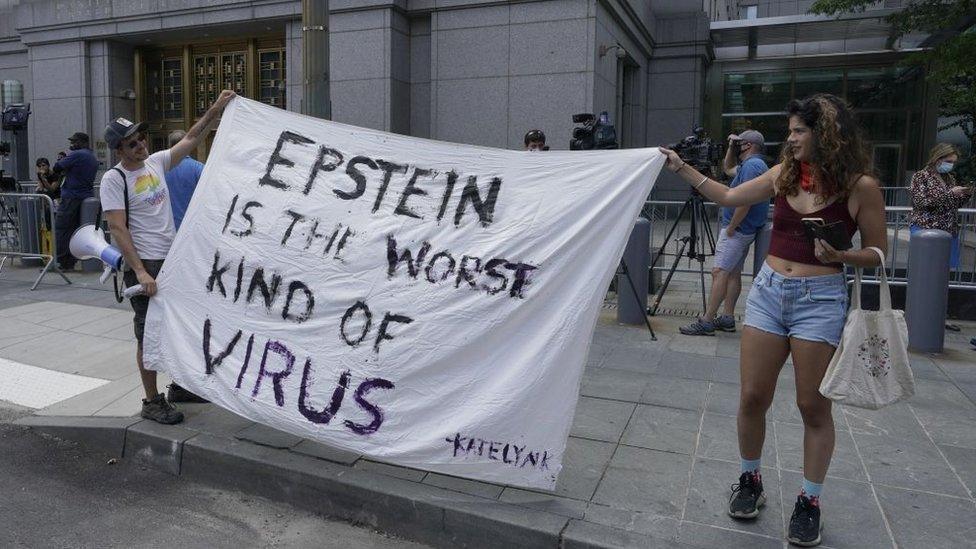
136,203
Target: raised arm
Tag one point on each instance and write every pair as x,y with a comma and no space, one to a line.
748,193
192,139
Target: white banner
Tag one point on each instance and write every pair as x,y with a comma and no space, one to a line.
422,303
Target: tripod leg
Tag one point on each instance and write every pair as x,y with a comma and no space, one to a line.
633,289
664,286
674,226
707,228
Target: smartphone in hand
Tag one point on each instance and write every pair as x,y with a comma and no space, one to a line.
834,233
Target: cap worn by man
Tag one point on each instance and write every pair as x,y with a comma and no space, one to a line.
752,136
119,129
79,137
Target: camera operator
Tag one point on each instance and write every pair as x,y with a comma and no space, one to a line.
744,161
535,140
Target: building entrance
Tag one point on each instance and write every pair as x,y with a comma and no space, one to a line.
177,84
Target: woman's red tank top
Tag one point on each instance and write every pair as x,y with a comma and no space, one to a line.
790,242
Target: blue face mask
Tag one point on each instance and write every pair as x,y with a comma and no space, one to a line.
945,167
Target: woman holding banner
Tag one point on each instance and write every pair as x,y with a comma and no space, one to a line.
798,302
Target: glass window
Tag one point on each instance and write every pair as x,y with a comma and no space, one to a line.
757,92
272,80
773,127
809,82
883,87
171,92
883,126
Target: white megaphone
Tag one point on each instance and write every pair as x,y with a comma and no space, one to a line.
88,242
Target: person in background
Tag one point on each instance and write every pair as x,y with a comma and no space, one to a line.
744,161
182,180
937,197
79,167
47,182
535,140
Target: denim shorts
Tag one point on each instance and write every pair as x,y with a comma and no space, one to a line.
731,251
813,308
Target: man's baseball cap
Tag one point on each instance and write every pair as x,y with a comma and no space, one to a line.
79,137
752,136
120,128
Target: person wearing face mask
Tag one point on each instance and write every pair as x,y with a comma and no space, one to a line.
937,196
743,161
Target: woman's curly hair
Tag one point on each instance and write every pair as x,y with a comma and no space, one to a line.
840,154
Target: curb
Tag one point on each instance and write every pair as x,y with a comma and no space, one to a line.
414,511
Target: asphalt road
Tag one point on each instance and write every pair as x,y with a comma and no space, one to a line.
57,494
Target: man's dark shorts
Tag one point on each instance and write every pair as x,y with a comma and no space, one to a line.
140,303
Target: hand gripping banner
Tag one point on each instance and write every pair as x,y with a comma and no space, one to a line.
422,303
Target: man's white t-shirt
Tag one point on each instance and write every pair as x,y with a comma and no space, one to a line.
150,214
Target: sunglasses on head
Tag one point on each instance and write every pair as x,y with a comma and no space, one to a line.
134,144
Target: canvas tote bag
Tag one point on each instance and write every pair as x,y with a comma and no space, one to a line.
870,367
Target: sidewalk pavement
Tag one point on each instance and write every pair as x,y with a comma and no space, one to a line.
649,462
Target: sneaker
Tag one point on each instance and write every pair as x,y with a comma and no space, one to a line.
160,411
747,497
179,394
725,323
698,328
805,524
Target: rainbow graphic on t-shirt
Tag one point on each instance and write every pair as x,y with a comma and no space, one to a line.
149,186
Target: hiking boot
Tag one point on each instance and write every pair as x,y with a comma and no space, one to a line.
699,327
725,323
805,524
747,497
179,394
160,411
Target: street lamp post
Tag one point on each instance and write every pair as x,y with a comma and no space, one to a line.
315,58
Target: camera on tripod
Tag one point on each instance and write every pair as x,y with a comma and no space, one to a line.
699,151
593,133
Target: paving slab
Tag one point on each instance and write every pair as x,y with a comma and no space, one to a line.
465,486
566,507
851,514
666,429
657,526
896,421
601,419
845,463
927,520
643,362
722,398
963,463
703,535
323,451
614,384
389,470
906,463
584,463
718,440
688,394
686,366
708,499
645,480
266,436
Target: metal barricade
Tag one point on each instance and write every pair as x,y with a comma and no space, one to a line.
18,239
662,214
